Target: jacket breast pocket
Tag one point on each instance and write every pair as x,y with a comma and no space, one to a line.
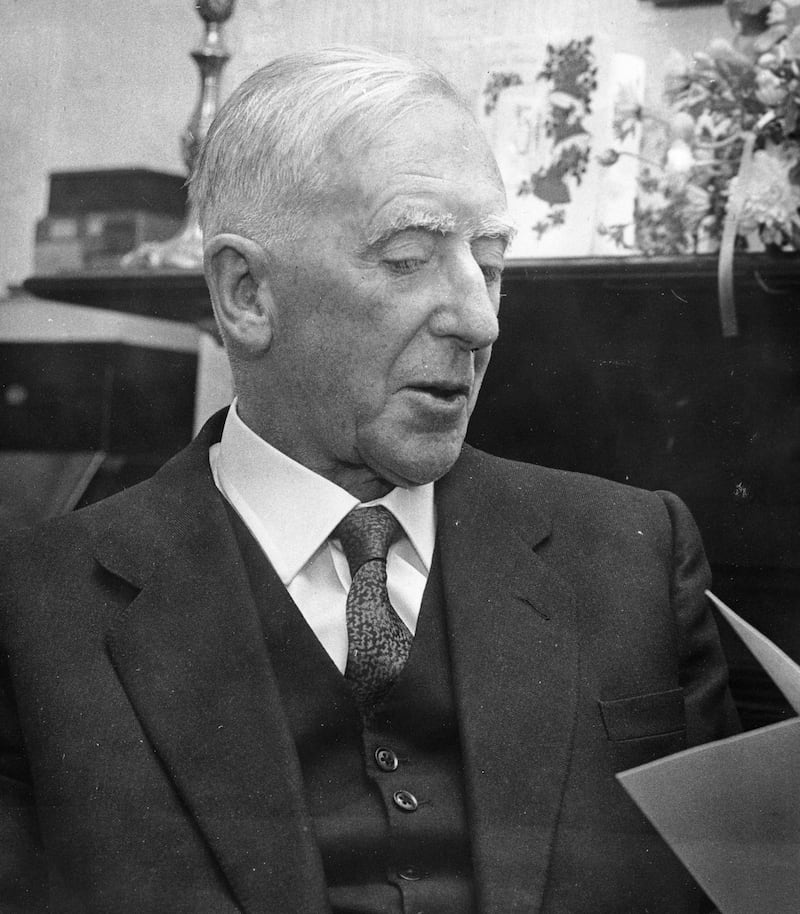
640,716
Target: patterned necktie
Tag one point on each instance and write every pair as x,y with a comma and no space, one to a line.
378,641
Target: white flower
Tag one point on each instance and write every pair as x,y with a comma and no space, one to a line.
779,10
771,199
768,59
777,13
770,89
782,19
680,159
678,165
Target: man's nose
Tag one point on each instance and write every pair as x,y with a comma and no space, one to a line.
468,307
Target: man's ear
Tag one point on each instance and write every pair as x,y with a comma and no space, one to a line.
238,278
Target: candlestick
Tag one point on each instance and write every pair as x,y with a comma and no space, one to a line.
185,250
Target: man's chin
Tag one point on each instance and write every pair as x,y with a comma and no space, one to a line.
408,466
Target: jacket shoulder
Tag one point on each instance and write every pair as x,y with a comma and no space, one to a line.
139,523
175,490
554,490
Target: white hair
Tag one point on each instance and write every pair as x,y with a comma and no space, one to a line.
260,170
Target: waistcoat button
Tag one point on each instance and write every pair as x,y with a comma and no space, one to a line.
405,801
386,760
410,873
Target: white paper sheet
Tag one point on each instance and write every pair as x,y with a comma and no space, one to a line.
783,671
731,809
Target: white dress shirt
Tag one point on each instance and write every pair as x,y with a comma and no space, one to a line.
292,511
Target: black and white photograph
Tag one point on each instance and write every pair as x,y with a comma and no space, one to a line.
400,457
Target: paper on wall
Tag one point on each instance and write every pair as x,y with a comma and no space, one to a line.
557,214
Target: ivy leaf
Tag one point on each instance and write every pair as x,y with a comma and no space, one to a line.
549,186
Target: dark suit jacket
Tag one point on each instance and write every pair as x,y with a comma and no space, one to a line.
145,764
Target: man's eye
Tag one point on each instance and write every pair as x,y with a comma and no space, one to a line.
405,266
491,274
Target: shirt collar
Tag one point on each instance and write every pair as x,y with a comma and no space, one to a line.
292,510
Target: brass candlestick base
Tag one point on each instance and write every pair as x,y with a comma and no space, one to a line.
185,250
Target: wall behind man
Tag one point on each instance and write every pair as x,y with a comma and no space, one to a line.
93,84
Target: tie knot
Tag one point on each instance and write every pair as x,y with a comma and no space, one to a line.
366,534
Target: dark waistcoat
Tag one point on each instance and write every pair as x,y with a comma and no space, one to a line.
386,797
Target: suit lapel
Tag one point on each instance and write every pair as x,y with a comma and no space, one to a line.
191,655
511,622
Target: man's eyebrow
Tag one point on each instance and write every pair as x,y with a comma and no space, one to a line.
433,221
501,227
409,219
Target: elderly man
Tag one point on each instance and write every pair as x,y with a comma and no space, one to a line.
329,659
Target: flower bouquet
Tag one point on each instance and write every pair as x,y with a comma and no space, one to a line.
722,164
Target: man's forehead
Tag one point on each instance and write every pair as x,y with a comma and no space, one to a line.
414,216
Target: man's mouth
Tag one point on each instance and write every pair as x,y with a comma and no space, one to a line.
443,391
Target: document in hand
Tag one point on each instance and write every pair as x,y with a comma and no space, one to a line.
731,809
